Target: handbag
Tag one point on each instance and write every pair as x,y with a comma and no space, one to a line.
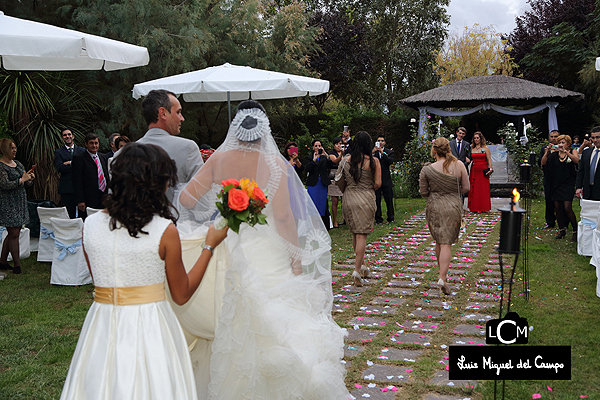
485,172
340,180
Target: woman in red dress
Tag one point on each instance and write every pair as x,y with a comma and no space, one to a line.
479,195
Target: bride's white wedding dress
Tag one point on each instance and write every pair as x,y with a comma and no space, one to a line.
271,342
274,337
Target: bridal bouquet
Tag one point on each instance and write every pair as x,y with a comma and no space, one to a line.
241,201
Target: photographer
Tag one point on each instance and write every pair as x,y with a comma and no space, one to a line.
317,165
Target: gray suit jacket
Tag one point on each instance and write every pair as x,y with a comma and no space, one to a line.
184,152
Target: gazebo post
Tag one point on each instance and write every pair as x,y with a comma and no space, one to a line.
422,118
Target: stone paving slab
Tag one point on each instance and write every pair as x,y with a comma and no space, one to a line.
468,341
361,335
397,291
410,338
337,297
392,301
428,313
405,275
393,354
433,302
352,350
378,310
478,317
435,396
480,306
388,373
374,393
368,321
484,296
440,378
420,325
404,283
464,329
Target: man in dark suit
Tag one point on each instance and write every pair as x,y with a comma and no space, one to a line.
386,158
544,152
460,148
90,175
588,175
62,161
113,147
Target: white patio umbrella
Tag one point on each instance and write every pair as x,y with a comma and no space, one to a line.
28,45
232,82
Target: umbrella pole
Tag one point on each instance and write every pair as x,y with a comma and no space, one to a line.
229,107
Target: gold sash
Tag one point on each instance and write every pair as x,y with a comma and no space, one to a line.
125,296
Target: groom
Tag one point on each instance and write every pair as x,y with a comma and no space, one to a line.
162,112
461,149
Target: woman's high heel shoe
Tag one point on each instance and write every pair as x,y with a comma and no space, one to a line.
444,286
357,279
561,234
364,271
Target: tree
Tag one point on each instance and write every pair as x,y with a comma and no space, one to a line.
478,51
38,107
539,23
403,35
344,57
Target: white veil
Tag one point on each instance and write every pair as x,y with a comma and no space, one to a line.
249,151
275,324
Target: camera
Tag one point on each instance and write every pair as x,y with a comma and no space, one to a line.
511,329
555,146
377,145
320,151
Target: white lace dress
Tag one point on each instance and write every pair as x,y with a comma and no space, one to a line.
129,351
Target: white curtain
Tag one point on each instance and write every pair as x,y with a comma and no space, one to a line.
552,121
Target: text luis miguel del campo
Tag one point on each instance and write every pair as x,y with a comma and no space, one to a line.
509,362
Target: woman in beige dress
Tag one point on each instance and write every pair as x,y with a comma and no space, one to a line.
362,174
442,183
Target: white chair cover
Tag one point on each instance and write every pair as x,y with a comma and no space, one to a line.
89,210
586,226
46,243
24,242
68,261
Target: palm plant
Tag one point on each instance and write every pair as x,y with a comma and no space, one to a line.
39,105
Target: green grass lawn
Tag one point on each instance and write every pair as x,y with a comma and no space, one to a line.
40,323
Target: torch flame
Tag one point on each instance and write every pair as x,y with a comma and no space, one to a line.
516,195
525,161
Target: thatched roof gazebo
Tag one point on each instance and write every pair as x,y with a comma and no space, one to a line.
490,92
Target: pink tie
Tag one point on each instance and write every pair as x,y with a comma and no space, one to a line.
101,180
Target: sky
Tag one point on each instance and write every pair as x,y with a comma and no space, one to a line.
500,13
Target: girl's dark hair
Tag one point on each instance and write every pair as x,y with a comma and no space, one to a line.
140,175
315,141
362,145
336,140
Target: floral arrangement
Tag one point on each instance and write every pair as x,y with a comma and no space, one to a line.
241,201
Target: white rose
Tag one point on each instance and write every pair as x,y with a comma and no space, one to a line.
511,124
528,126
413,120
451,136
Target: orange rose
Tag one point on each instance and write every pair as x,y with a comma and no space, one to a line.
232,181
238,199
258,194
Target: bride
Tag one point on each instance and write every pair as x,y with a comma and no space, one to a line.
275,337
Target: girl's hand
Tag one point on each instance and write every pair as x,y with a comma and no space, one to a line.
215,236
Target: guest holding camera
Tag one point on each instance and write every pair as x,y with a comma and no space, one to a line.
290,152
561,167
317,165
335,156
479,179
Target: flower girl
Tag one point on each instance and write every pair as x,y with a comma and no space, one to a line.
131,345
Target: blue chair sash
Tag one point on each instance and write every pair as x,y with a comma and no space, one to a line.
588,223
64,249
46,233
